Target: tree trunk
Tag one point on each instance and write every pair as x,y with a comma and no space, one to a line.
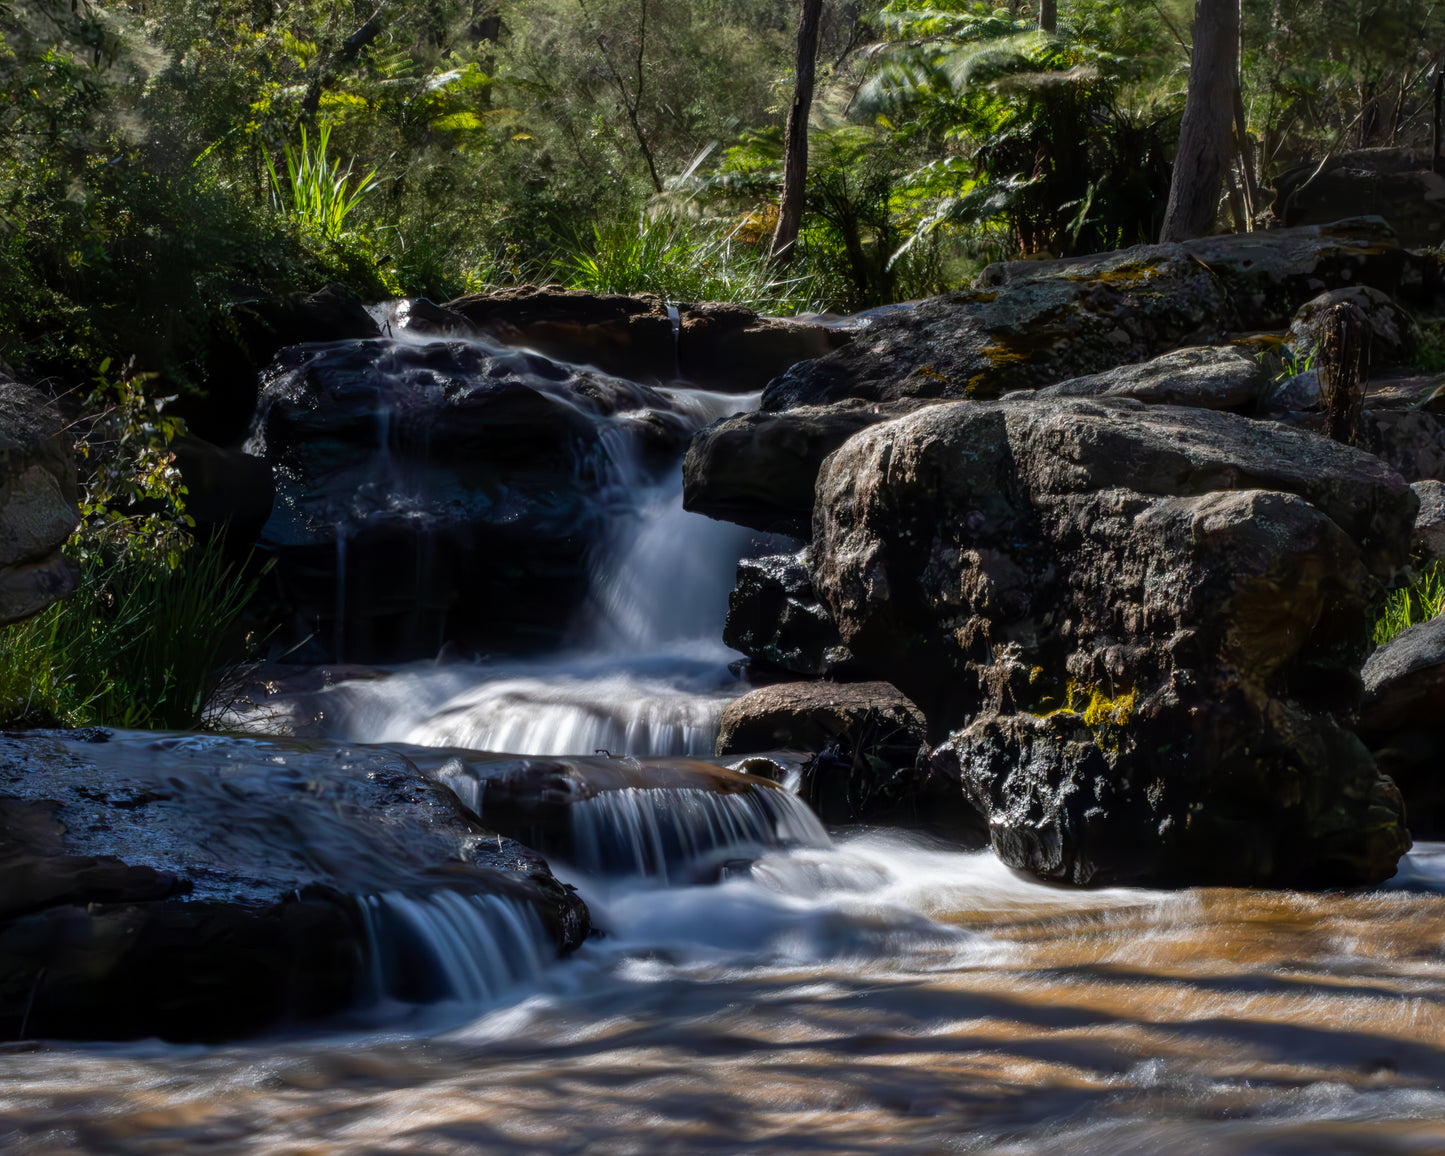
1344,370
1205,135
1048,15
795,138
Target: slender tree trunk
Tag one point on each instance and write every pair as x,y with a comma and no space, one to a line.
795,138
1048,15
1205,134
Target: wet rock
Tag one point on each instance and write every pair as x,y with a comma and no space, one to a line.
758,469
1394,335
866,742
680,820
631,337
811,715
444,492
775,618
731,349
1179,595
1403,721
718,346
1035,323
1207,376
39,499
203,888
259,329
1428,541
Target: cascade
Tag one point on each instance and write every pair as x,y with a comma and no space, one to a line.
643,671
446,945
682,834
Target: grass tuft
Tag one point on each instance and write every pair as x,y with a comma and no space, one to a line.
1420,601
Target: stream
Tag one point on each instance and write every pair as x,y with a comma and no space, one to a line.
859,992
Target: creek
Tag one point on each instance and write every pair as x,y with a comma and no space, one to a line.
852,992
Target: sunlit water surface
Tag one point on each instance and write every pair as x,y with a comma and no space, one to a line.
879,996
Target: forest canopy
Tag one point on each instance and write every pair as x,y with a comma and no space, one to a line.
162,161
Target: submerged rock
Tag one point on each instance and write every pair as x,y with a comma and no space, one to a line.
1034,323
677,820
1141,624
204,888
1403,721
39,503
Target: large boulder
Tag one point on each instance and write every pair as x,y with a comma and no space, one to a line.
1142,626
866,742
1207,376
1395,184
1028,324
758,469
715,345
204,888
39,503
730,348
628,336
1394,334
441,492
1403,721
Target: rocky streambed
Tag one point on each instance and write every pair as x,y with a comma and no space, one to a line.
620,699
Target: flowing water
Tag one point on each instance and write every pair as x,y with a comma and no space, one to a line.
762,987
880,996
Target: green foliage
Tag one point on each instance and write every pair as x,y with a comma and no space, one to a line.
1420,601
683,262
1064,138
140,642
317,192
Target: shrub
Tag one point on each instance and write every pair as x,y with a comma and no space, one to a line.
141,641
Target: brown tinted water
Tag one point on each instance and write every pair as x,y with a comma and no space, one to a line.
876,997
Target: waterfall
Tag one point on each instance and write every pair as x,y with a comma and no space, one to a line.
644,673
452,946
676,834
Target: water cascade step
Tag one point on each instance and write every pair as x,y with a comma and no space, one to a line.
674,821
449,945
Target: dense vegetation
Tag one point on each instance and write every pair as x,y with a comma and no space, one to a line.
164,163
155,155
